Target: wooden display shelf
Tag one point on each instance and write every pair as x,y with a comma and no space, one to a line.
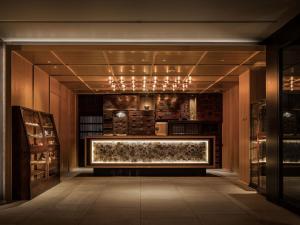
26,164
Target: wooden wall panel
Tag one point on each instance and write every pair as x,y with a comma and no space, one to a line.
63,108
55,101
21,81
73,129
244,126
230,130
40,90
67,129
33,88
64,130
257,84
55,109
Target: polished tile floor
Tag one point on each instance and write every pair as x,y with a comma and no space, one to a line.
209,200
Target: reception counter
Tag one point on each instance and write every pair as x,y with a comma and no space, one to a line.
150,152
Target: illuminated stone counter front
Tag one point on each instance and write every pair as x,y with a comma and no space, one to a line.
150,151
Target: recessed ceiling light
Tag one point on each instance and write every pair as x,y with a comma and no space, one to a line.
55,67
222,60
164,60
49,61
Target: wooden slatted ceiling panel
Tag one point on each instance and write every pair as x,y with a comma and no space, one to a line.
91,66
130,57
82,57
40,57
177,58
57,70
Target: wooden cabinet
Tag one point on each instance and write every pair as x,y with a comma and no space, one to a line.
36,153
141,122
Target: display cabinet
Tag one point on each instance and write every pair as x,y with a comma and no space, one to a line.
36,153
258,146
90,126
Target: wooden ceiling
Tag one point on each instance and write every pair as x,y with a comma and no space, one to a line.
86,69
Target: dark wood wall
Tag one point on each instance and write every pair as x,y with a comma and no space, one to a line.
87,105
209,113
274,44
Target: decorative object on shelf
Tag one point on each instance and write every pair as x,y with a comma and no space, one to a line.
120,122
161,128
36,153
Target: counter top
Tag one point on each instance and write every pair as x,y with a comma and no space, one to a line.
150,137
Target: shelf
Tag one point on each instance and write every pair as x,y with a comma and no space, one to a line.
90,123
37,172
52,145
50,136
32,124
35,136
34,147
33,131
38,162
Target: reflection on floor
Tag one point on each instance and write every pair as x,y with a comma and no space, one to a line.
209,200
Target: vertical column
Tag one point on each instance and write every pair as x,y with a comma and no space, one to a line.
2,108
5,124
273,85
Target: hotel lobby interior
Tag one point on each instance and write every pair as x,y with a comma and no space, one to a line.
139,113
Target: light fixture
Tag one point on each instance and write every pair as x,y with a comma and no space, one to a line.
167,79
292,83
179,69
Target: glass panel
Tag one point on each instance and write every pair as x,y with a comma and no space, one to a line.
291,122
258,145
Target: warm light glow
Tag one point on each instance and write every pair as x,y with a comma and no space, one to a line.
142,142
179,69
